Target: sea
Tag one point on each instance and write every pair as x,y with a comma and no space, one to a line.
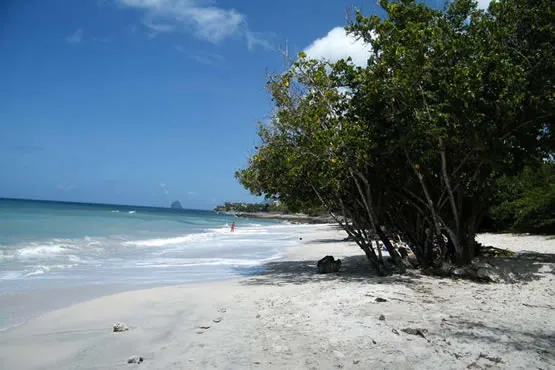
54,254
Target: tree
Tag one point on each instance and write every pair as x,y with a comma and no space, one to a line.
413,143
526,202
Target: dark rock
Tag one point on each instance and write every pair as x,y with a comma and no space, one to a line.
381,318
415,331
328,264
381,299
394,331
135,360
119,327
176,205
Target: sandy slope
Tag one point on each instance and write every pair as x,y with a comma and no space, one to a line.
291,318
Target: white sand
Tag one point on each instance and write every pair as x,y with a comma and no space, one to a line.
291,318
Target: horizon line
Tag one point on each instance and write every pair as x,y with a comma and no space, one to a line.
103,204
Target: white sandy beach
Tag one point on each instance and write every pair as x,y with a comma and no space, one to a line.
291,318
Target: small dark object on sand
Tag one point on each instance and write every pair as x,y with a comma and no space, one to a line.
415,331
119,327
135,360
381,299
381,318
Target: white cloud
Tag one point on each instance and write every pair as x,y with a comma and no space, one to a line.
76,37
338,45
201,17
257,38
191,193
201,57
163,186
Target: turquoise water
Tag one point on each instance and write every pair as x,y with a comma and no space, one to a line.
52,245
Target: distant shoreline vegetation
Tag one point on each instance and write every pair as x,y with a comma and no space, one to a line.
274,206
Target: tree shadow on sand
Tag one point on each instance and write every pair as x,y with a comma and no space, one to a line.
353,269
524,266
329,241
518,340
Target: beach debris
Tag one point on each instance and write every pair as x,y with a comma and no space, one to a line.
374,342
381,317
485,274
256,363
222,310
120,327
328,264
379,299
497,360
415,331
479,271
135,360
409,261
355,362
217,320
204,327
394,331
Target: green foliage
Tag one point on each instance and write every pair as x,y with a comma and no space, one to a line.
252,207
526,202
415,142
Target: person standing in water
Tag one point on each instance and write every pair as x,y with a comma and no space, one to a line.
233,226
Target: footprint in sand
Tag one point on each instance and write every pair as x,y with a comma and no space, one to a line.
216,320
202,328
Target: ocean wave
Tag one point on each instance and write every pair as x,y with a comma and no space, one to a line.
160,242
39,270
49,249
41,251
10,275
193,262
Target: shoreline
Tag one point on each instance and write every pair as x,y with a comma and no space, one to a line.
27,296
289,317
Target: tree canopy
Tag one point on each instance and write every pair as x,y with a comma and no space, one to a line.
414,143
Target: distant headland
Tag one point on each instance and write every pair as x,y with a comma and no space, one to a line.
176,205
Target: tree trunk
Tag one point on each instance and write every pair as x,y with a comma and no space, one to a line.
392,252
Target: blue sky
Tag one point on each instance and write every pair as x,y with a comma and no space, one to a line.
146,101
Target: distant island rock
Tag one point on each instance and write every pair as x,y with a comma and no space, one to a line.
176,205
